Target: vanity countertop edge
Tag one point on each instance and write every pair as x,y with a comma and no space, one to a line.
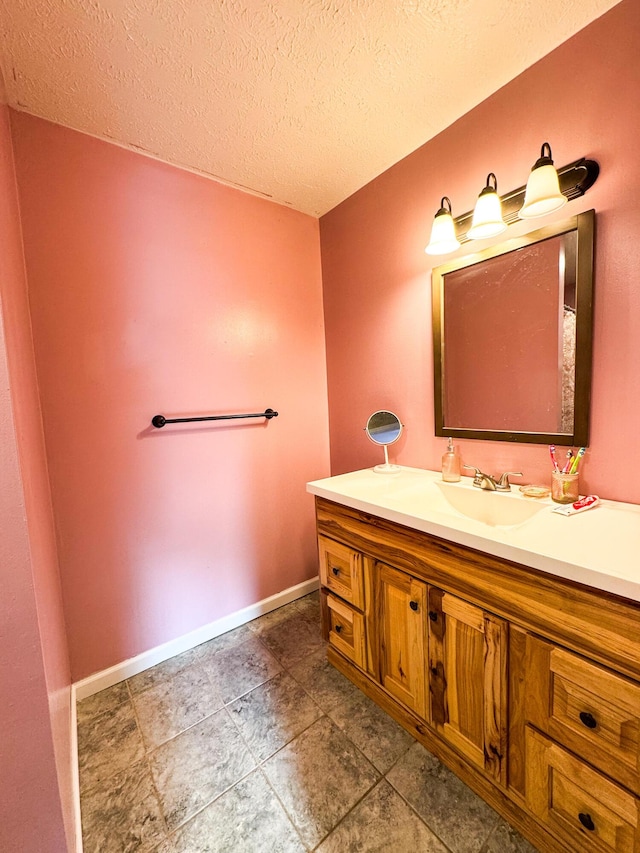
599,548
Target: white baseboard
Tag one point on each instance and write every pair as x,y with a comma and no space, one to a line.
128,668
75,773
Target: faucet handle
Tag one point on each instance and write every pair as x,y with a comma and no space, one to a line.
503,482
473,468
479,477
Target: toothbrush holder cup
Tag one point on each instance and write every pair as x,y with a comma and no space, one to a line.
565,488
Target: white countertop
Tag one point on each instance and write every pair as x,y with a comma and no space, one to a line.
599,547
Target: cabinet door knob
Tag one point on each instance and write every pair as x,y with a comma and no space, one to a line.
588,719
586,821
433,615
413,605
335,570
338,628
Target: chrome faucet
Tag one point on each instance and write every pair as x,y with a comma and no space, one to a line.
489,483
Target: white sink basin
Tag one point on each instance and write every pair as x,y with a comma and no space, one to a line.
497,509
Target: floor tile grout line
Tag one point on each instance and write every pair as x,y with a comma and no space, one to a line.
262,762
259,762
203,808
153,747
146,758
148,763
101,782
257,768
225,705
378,780
368,791
283,807
353,807
418,815
286,669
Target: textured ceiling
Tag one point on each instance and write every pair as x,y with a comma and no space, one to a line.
302,101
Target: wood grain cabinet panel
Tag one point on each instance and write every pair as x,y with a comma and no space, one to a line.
401,619
468,680
346,631
341,571
590,710
582,807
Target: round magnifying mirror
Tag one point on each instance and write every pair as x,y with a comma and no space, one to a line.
384,428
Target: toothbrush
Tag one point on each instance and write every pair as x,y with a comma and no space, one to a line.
576,461
568,463
552,454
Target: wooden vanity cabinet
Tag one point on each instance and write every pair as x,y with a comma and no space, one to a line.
525,685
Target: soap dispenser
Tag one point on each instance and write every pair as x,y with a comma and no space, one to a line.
451,464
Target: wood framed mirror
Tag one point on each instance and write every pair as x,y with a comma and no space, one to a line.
512,338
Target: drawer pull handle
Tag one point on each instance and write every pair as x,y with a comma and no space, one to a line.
338,628
413,605
588,719
586,821
433,615
335,570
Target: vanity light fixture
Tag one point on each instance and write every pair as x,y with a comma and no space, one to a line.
543,194
443,233
487,215
547,190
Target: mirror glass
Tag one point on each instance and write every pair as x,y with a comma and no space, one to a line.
512,338
384,428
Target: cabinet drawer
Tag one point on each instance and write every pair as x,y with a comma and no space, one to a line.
341,571
592,711
581,806
346,630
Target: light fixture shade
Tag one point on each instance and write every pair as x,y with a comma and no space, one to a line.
543,194
487,215
443,232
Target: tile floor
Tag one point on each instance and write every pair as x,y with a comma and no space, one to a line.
252,742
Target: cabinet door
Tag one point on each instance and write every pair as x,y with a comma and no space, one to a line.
401,602
467,680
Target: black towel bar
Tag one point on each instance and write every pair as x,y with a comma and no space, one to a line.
159,421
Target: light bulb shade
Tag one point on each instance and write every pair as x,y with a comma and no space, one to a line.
487,215
543,194
443,232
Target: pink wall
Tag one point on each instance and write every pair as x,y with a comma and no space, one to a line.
583,99
154,290
35,754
